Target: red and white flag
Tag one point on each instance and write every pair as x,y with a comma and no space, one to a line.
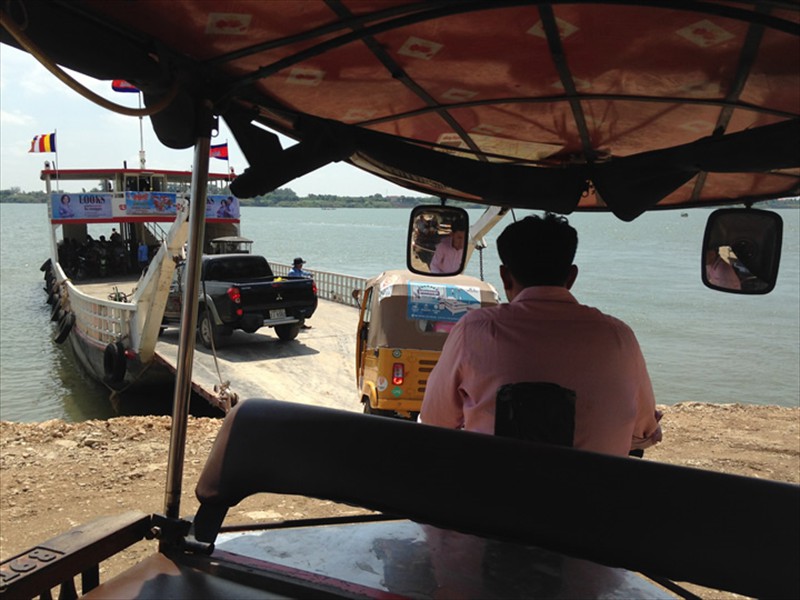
219,151
120,85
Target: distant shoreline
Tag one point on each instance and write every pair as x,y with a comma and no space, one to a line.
375,201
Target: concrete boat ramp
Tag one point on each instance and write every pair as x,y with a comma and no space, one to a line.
318,367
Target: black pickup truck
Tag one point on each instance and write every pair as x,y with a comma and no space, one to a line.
239,291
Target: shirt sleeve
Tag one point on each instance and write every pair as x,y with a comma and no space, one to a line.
438,259
442,404
646,422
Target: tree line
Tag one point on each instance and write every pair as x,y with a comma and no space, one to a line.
287,197
279,197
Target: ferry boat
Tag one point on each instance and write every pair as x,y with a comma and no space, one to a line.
107,300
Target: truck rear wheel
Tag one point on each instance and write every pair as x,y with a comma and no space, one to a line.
287,332
207,331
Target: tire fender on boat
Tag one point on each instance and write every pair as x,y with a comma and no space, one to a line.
64,327
53,295
56,313
114,362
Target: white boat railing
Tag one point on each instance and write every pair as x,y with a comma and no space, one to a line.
102,321
336,287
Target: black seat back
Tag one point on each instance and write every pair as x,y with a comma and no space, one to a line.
536,411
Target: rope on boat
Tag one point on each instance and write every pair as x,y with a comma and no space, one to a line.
225,397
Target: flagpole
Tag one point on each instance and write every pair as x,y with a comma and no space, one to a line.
55,162
142,159
228,162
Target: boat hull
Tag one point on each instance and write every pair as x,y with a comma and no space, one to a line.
99,331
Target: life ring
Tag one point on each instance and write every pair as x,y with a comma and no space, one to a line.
114,362
64,327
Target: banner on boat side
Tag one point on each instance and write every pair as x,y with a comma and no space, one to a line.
436,302
81,206
150,204
222,207
135,206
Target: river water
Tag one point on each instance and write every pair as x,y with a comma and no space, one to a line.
699,345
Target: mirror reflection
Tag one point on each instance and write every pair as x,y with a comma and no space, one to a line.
741,251
437,240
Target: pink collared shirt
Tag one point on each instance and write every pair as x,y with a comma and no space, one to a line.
446,259
544,334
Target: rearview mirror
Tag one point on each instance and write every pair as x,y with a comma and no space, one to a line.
437,240
742,250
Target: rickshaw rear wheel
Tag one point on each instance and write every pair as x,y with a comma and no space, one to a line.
368,410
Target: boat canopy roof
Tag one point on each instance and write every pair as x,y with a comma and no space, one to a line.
112,174
562,106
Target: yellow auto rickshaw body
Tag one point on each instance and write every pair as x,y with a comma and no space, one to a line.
403,324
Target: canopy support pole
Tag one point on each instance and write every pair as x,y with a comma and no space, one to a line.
183,370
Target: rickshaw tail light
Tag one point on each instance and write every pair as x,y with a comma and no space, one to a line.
398,374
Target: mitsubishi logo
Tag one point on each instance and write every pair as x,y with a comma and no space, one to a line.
279,297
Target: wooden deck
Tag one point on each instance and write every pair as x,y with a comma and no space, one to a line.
316,368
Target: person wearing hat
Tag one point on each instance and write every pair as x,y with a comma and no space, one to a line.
297,268
297,271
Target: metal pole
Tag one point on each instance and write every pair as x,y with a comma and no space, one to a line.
183,371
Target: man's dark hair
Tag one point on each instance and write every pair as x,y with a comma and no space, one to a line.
538,250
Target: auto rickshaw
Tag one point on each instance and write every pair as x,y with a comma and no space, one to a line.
403,324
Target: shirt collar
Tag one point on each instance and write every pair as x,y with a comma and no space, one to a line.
551,293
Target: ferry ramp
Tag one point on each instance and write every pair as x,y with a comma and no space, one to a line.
317,368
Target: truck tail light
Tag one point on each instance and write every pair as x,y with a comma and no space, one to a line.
314,287
236,297
398,374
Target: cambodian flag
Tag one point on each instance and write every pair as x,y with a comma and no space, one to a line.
219,151
43,143
120,85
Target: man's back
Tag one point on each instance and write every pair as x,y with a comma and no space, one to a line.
544,334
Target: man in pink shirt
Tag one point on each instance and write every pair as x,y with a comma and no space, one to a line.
544,335
449,252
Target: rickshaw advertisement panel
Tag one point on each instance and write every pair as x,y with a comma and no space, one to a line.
436,302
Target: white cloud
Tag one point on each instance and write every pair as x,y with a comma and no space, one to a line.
14,118
34,101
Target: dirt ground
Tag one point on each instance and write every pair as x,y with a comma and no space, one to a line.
55,475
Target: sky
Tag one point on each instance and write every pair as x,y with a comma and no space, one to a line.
33,102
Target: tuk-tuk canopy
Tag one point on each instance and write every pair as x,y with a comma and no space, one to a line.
416,311
560,106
